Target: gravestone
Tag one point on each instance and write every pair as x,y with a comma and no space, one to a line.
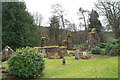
43,52
85,53
77,54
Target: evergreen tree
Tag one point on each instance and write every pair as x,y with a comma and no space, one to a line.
54,30
18,28
95,23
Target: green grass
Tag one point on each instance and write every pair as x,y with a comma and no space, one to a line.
92,68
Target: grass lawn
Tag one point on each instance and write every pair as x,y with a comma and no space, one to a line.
92,68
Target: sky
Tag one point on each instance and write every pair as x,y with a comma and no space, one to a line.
71,8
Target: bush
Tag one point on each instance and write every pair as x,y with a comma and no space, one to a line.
26,63
76,46
96,50
114,51
103,51
85,45
102,45
110,45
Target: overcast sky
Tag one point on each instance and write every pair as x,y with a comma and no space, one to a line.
71,7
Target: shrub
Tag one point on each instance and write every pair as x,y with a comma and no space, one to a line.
76,46
96,50
114,51
102,45
103,51
85,45
110,45
26,63
108,48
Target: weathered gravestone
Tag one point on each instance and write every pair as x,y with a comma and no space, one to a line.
77,54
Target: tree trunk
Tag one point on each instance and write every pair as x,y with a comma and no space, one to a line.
116,32
63,24
85,26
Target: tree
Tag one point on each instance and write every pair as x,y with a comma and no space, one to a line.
59,11
82,13
111,10
71,27
18,25
95,23
38,18
54,30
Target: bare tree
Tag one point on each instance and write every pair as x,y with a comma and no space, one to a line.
59,11
71,26
111,10
38,18
73,29
82,16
